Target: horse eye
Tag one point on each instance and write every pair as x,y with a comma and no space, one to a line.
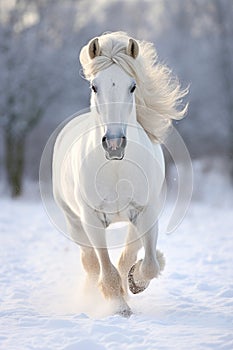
94,88
132,89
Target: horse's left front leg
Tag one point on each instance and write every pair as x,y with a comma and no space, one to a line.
129,255
153,263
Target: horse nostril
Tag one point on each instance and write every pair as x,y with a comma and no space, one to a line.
123,142
104,142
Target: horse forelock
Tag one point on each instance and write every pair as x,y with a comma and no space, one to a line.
112,51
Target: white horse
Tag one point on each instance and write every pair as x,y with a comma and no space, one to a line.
108,164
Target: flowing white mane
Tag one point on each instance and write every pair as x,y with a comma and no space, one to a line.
158,94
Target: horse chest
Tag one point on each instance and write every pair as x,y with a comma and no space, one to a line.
116,191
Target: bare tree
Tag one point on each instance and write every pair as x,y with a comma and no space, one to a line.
223,18
29,66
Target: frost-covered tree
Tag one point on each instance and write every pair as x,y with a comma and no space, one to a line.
199,45
39,45
223,18
214,23
30,79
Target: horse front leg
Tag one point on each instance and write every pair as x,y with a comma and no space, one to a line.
153,262
129,255
109,282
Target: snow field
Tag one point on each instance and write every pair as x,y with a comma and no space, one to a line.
44,303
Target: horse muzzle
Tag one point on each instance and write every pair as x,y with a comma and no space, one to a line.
114,146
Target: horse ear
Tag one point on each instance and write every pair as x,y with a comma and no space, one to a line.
133,48
94,48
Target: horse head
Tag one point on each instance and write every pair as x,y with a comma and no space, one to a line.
113,97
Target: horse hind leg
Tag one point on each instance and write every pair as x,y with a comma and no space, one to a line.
89,258
90,263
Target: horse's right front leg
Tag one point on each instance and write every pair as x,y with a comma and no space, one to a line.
110,282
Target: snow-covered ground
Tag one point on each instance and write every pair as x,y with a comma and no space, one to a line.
43,304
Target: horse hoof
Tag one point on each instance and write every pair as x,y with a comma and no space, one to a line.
126,313
134,287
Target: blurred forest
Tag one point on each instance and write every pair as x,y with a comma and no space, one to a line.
41,84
